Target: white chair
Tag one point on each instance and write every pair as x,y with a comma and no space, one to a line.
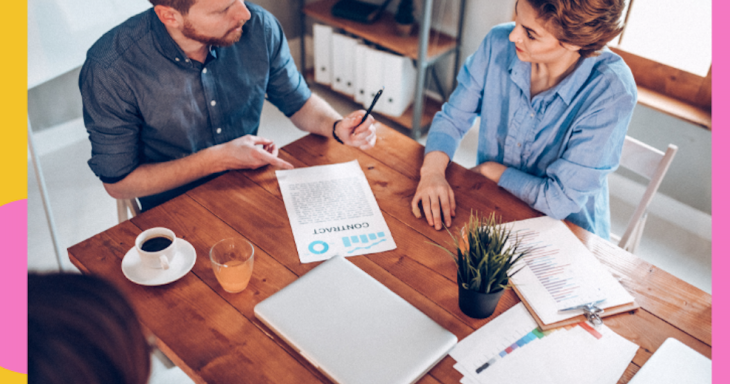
127,204
651,164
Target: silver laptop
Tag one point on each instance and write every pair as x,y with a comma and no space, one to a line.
353,328
675,363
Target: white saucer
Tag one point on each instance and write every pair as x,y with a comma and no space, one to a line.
181,264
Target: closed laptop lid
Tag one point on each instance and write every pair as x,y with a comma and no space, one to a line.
675,363
353,328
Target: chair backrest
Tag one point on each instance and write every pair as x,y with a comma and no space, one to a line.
651,164
127,204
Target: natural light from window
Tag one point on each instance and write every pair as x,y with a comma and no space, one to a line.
677,33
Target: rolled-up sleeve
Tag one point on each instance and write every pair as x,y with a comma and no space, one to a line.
592,152
112,121
286,88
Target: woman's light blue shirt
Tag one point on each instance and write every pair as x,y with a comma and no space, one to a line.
560,145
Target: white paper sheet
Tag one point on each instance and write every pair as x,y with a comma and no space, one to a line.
562,356
561,272
332,211
491,339
569,357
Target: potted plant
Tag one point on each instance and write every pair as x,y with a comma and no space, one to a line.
404,17
486,253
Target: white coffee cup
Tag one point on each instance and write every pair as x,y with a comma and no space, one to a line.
160,247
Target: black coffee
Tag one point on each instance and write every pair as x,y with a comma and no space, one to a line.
156,244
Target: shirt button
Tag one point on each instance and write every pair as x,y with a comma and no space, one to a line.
218,130
532,115
519,144
205,70
187,60
177,59
212,103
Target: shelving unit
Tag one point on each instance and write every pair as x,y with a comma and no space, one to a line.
426,48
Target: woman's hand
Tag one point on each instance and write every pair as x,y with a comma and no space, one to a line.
434,192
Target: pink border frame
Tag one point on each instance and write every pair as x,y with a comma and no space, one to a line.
720,204
721,117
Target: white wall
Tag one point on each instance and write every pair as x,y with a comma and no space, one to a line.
61,31
689,179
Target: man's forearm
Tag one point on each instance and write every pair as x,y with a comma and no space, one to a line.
316,116
152,178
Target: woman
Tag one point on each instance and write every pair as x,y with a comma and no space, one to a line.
554,105
81,329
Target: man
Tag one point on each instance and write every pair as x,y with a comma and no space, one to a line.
173,96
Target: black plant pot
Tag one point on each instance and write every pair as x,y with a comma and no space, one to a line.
478,305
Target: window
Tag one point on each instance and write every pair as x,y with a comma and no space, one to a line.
672,32
668,45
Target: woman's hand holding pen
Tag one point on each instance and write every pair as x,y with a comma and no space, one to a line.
353,133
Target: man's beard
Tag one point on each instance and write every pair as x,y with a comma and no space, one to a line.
229,39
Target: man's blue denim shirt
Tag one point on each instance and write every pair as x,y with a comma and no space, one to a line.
559,145
145,101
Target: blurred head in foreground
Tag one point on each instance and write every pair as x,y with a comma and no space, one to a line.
81,329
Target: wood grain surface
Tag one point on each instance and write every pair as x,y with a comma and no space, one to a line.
214,336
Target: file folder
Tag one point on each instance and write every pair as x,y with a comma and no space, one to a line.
361,52
399,77
373,78
322,53
343,63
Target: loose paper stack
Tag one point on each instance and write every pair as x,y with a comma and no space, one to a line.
526,355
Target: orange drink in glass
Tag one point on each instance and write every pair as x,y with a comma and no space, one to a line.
232,262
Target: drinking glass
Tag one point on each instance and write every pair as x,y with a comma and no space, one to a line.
232,262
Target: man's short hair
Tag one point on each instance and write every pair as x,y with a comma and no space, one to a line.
182,6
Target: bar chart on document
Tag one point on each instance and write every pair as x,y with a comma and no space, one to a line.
496,340
553,266
510,345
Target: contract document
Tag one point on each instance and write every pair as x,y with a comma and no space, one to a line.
332,211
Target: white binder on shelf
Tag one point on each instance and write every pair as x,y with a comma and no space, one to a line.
361,52
399,77
322,53
373,78
343,63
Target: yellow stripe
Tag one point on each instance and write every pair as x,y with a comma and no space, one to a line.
13,103
10,377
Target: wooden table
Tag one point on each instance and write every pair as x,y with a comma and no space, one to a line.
213,335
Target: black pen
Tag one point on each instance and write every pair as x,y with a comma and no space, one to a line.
375,100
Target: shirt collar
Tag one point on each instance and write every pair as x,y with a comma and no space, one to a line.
168,47
520,73
571,84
